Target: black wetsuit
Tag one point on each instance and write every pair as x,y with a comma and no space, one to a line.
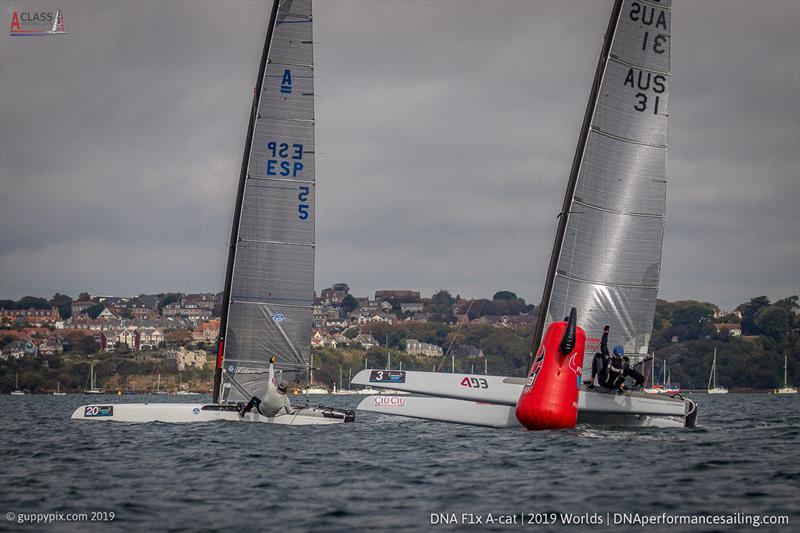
600,361
612,369
629,371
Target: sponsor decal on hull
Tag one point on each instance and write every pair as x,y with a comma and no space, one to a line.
387,376
98,410
388,401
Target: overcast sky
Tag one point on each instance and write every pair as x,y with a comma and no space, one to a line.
122,140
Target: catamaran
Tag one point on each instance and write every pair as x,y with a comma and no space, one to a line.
606,258
269,281
712,379
786,389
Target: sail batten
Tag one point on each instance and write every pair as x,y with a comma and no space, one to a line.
272,275
607,255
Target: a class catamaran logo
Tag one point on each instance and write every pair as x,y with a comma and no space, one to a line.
37,23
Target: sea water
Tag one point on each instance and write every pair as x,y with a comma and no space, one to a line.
385,473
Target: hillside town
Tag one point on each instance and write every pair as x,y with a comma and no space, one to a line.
149,322
171,333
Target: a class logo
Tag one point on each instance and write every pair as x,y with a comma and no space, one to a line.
37,23
286,82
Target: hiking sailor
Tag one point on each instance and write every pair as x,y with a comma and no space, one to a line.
612,369
273,400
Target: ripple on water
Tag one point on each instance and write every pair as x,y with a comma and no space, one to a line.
385,473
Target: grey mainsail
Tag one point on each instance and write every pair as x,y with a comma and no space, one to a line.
607,254
270,281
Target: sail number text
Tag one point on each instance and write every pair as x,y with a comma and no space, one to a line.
655,39
302,207
646,81
655,18
474,383
286,159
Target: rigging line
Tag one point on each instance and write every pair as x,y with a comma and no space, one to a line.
200,241
531,195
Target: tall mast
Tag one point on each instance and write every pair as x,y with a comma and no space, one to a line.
226,296
573,178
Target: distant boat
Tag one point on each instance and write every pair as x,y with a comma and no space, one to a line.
669,388
158,387
92,388
665,387
314,390
343,392
17,391
654,387
58,390
181,391
786,389
712,379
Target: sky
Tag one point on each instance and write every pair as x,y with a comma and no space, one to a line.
445,133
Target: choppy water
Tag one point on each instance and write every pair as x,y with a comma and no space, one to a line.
384,473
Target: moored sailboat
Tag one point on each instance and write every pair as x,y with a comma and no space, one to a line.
17,391
93,389
712,379
269,280
606,256
786,389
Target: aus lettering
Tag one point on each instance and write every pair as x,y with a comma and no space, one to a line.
643,80
649,16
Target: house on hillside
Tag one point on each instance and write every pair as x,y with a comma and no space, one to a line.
734,330
30,315
81,306
150,337
19,348
323,340
49,346
206,331
366,340
411,307
415,347
107,314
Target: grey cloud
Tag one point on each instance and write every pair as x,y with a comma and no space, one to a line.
434,122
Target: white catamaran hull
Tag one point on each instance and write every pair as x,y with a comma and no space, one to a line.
493,415
200,412
491,400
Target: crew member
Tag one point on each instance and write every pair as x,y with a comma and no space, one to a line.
612,369
600,362
273,400
630,371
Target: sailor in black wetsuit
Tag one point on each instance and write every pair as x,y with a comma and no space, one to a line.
629,371
611,369
600,362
